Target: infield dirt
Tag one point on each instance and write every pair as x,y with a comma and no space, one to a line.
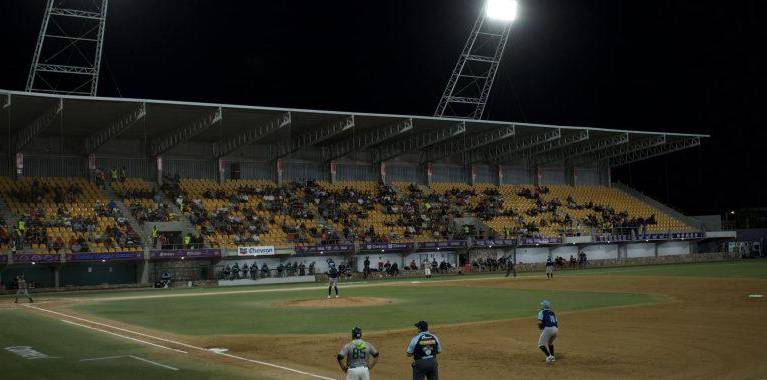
705,328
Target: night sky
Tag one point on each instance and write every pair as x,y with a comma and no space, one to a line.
691,66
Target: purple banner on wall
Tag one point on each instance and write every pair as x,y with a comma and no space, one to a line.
536,241
21,258
185,253
496,242
108,256
389,246
325,248
656,236
442,244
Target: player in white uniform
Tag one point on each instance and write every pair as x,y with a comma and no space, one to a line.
359,356
427,268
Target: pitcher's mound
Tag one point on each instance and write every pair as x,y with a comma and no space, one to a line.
338,302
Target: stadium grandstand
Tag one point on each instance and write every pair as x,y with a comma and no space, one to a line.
146,184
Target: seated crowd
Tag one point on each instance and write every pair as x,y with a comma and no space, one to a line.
63,215
57,215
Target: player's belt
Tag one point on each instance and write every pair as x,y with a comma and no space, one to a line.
359,366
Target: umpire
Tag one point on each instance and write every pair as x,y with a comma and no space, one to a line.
424,348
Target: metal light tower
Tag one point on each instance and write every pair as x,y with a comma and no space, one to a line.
68,52
466,94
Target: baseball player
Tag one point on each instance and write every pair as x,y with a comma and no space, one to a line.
549,268
22,290
424,348
548,324
511,266
360,357
333,274
427,268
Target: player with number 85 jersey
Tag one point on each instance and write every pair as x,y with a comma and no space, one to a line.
360,357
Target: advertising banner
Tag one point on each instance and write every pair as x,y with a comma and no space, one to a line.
184,253
109,256
256,251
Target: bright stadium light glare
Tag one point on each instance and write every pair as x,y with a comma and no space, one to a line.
502,10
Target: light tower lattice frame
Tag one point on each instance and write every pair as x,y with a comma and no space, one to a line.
467,91
67,57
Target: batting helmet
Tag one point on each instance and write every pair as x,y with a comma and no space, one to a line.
545,304
356,333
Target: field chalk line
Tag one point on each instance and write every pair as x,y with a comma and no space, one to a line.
123,336
132,357
170,341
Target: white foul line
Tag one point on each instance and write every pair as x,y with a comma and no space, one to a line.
169,341
154,363
123,336
132,357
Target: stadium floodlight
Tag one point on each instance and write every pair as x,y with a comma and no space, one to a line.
501,10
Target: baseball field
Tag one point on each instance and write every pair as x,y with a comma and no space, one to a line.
671,321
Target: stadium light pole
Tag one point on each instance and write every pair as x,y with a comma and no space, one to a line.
469,87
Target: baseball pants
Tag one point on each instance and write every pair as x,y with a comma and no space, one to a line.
358,373
548,335
550,270
23,293
425,369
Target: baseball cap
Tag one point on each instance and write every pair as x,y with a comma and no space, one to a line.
422,325
545,304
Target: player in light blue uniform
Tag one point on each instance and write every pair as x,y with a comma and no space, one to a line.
549,326
423,348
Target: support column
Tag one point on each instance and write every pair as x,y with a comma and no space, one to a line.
142,272
609,176
537,175
19,165
472,174
57,276
221,175
333,172
428,174
280,164
159,170
383,171
500,175
571,175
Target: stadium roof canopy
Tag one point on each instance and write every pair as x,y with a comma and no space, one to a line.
96,120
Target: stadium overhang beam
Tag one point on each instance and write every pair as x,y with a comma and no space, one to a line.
466,144
616,151
366,140
6,102
251,135
660,150
418,142
582,149
315,136
167,142
502,152
28,133
569,140
117,127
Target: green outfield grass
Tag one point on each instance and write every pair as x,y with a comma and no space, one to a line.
67,345
741,269
260,313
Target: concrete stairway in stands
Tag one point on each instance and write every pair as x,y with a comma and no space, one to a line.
181,223
112,196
